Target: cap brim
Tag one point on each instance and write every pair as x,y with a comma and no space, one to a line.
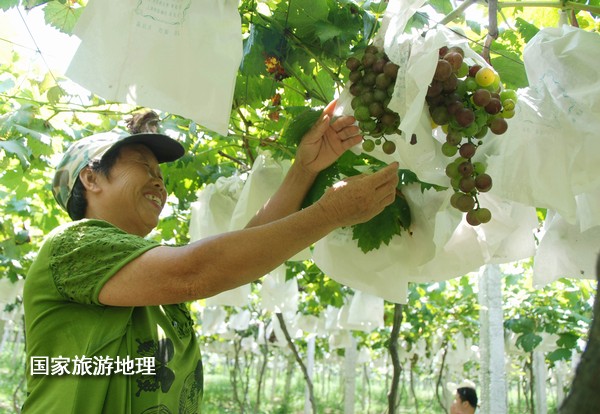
165,148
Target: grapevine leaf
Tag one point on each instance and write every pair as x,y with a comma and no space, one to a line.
526,29
567,340
299,126
62,16
7,4
30,4
559,354
18,149
383,227
529,341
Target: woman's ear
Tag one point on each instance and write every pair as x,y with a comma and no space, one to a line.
89,179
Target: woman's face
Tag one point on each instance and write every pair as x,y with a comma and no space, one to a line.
134,192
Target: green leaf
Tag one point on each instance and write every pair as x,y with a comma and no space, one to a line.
7,4
526,29
62,16
528,342
299,125
560,354
567,340
18,149
383,227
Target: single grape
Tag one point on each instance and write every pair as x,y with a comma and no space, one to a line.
465,203
449,150
467,150
439,114
453,137
473,70
463,71
454,199
361,113
388,147
443,70
378,65
478,167
508,105
367,97
485,77
442,51
472,218
452,170
493,107
435,88
457,49
498,126
353,63
376,109
368,125
450,84
466,184
465,168
455,59
483,215
355,76
508,94
382,81
481,97
391,70
369,78
368,59
368,145
483,182
464,117
507,114
483,130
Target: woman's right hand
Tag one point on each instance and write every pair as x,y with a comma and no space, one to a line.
359,198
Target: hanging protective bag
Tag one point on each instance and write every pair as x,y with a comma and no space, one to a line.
179,56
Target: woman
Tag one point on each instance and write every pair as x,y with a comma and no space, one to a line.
106,322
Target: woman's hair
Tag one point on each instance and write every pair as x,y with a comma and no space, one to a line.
138,123
468,394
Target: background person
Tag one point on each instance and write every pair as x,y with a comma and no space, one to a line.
465,399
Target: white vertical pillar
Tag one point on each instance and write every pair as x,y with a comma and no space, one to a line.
492,391
310,364
350,359
539,382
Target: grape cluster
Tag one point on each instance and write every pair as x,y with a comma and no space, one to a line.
372,78
467,101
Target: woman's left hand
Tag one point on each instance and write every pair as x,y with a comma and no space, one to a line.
323,144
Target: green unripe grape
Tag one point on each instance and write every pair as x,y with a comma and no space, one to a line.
465,203
368,145
508,105
478,167
463,70
454,199
483,130
471,84
361,113
507,114
508,94
368,126
449,150
483,215
388,147
378,141
452,170
356,102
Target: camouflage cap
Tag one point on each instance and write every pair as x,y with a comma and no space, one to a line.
81,152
